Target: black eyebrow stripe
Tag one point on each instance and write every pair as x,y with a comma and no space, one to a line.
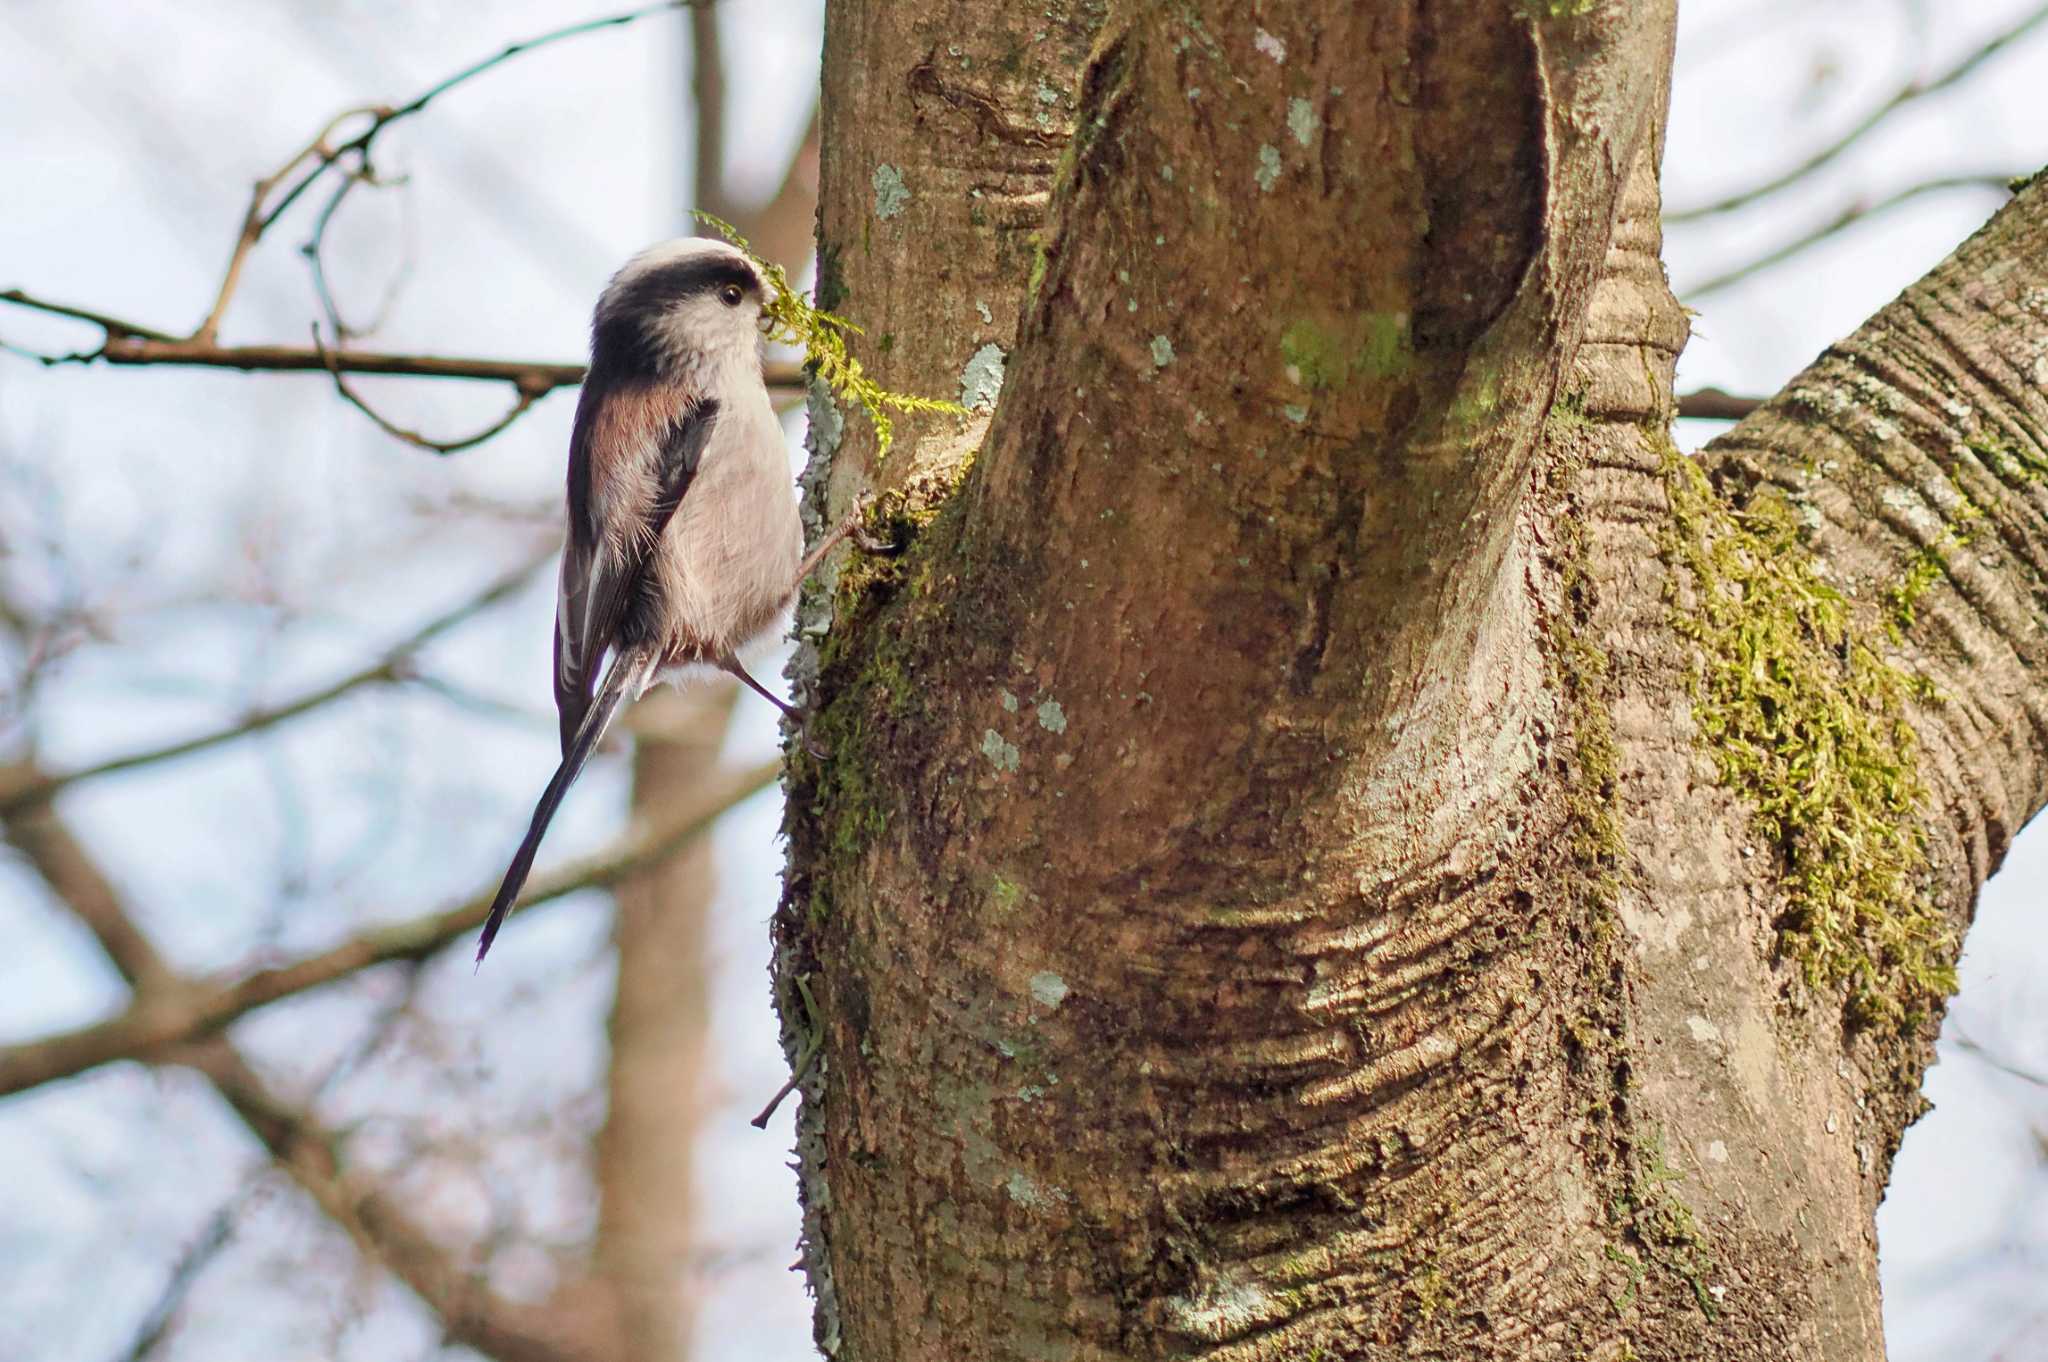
620,346
668,284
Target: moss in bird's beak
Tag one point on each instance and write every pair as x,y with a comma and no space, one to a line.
790,319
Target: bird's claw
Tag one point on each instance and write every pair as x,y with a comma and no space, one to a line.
867,543
857,530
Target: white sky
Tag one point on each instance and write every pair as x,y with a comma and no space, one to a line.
128,136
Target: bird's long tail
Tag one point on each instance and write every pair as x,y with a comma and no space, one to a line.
628,676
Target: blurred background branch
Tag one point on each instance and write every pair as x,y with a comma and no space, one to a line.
1907,94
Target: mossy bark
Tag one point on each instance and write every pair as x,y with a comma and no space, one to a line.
1266,897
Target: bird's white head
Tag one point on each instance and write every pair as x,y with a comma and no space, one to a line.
679,306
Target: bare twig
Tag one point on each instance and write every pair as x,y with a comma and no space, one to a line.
316,244
812,1045
2000,184
124,342
115,328
470,1312
262,214
129,343
156,1325
20,793
1906,94
526,397
1976,1050
162,1019
255,223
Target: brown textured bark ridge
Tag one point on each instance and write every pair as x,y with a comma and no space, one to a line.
1206,903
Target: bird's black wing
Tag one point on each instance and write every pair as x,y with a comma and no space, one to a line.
610,545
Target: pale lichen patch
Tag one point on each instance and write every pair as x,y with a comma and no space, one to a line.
981,380
1048,989
1026,1190
890,191
1268,173
1002,754
1302,120
1221,1309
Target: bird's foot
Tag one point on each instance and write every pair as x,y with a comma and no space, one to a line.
863,539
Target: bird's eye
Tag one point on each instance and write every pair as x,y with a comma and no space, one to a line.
731,295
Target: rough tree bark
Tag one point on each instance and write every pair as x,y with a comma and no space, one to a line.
1337,839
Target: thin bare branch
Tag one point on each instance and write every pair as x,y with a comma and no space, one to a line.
156,1325
115,328
316,245
127,343
1904,96
1976,1050
526,398
1848,217
46,842
255,222
131,344
262,215
470,1312
165,1018
19,792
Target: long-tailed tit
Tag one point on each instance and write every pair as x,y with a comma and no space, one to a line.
684,542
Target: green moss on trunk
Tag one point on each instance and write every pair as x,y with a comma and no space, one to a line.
1806,720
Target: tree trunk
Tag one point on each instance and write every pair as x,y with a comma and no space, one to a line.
648,1234
1336,838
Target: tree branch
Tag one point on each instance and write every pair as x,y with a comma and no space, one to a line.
2001,184
261,215
131,344
707,116
1712,404
1974,1048
156,1326
784,228
469,1311
1906,94
526,398
20,789
165,1017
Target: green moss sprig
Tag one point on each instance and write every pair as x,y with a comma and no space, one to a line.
794,320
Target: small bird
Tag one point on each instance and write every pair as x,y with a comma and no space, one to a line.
685,545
